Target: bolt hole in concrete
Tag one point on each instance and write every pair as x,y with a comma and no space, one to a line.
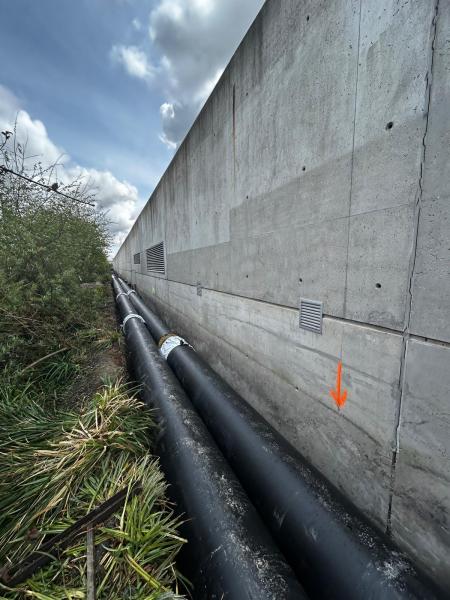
300,280
390,125
303,168
307,18
378,285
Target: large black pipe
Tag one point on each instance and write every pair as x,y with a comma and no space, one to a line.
231,554
332,547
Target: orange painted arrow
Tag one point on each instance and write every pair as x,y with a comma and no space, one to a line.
336,394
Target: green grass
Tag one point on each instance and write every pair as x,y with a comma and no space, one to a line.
57,466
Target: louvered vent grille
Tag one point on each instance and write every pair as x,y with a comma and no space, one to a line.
311,315
137,258
155,259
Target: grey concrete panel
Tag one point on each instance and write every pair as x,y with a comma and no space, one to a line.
385,176
269,267
436,175
198,214
313,196
152,219
153,287
421,502
333,444
298,112
209,266
394,57
209,218
379,254
371,371
178,226
430,305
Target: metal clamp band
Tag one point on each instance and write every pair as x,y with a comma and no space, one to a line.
131,292
170,343
131,316
121,294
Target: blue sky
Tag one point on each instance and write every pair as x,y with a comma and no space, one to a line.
115,84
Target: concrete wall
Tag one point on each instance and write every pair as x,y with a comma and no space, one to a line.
319,168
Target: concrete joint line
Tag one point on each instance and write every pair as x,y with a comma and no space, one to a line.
325,315
406,331
352,164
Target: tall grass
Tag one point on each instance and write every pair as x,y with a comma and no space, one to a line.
55,467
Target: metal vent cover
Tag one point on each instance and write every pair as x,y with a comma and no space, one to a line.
311,314
137,258
156,259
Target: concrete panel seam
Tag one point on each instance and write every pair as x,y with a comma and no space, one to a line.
371,326
353,155
409,299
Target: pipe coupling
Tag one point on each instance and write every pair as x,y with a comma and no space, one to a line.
170,343
131,316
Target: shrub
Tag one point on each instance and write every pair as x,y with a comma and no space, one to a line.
49,246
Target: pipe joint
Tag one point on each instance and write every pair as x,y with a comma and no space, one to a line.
170,343
130,316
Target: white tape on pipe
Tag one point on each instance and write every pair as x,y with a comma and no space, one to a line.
171,343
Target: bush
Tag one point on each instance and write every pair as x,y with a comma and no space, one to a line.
49,246
58,463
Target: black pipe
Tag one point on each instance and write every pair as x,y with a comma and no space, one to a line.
231,554
332,547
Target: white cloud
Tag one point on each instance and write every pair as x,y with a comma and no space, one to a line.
136,24
195,40
34,132
174,117
167,111
134,61
119,199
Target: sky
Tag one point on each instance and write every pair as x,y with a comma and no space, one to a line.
110,87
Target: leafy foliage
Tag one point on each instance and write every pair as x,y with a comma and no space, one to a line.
49,247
